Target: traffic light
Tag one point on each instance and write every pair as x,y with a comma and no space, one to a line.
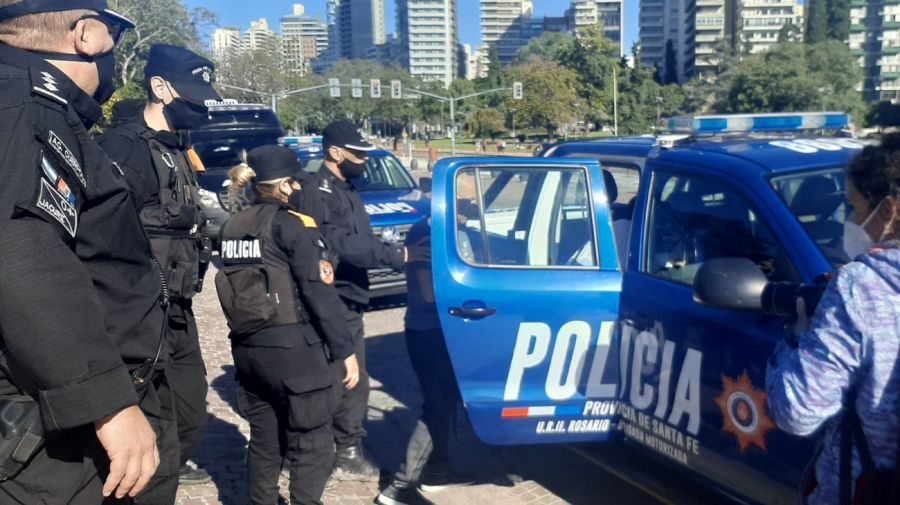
356,89
396,90
517,90
375,88
334,86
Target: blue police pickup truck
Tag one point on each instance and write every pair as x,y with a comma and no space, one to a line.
566,289
392,197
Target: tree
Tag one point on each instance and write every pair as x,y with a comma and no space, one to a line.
839,19
259,71
671,74
494,77
796,77
592,58
548,47
158,21
485,123
550,94
884,114
790,33
816,21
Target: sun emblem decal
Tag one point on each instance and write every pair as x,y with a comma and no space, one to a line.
744,412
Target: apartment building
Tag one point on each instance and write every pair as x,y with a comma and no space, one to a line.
429,38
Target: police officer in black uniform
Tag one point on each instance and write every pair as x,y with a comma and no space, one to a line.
150,145
288,333
347,228
80,311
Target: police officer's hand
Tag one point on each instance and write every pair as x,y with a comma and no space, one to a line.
352,367
130,443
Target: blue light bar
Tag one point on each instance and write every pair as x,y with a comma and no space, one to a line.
305,139
749,123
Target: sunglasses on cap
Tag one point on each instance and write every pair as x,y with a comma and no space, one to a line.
116,30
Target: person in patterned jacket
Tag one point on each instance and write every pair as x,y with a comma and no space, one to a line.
849,351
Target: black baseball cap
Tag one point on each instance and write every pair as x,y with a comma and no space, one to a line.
273,162
191,75
346,135
118,23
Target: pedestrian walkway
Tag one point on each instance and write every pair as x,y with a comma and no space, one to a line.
393,410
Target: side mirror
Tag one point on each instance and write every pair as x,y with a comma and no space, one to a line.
426,184
730,283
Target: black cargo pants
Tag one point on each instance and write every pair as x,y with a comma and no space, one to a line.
354,405
187,375
72,466
288,396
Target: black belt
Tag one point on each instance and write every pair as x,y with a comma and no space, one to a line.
164,232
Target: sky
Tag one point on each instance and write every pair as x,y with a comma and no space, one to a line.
240,12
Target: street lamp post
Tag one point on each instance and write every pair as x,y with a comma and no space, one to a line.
658,102
513,112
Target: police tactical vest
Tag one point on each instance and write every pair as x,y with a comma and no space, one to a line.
177,249
255,285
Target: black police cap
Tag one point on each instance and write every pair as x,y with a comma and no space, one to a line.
347,135
273,162
26,7
190,73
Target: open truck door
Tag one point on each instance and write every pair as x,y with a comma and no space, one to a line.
527,283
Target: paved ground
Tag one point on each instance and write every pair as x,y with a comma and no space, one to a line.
513,476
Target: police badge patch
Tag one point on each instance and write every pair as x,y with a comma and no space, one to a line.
326,272
57,206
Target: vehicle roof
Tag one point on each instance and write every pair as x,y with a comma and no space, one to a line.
760,155
621,146
302,149
769,154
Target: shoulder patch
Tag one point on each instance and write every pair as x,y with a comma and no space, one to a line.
325,186
307,221
66,155
57,206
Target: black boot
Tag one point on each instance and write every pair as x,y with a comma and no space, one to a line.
351,464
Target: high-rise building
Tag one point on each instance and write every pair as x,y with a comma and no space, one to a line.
715,31
667,37
875,41
357,26
226,42
760,23
260,37
303,39
689,37
429,38
505,23
606,13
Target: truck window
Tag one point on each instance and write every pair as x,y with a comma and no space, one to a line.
525,217
693,220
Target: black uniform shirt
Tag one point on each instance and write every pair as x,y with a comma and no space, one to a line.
78,291
124,145
132,155
303,244
348,230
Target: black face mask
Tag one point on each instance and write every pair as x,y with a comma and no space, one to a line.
106,70
184,115
352,170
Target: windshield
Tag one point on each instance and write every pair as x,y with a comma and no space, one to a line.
228,152
383,173
818,201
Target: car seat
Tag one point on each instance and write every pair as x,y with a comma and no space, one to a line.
814,204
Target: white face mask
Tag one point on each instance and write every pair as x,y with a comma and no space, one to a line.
856,240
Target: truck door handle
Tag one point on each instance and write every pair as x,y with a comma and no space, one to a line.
472,312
